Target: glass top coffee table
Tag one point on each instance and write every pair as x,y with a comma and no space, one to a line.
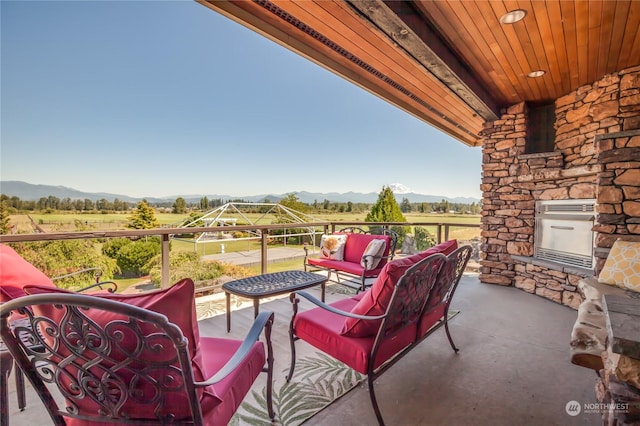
267,285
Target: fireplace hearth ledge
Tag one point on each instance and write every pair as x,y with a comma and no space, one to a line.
574,270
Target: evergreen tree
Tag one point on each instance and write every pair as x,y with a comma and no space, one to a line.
143,217
405,205
180,206
204,203
5,225
293,202
386,209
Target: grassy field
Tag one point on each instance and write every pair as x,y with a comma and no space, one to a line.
60,222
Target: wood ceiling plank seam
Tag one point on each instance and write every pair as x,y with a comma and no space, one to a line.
557,33
606,37
494,55
606,32
635,52
531,26
409,28
617,34
519,32
432,99
544,27
452,36
595,20
510,43
632,27
567,9
459,14
389,70
582,40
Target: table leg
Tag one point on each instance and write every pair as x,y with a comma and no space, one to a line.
228,296
256,307
6,362
22,398
323,285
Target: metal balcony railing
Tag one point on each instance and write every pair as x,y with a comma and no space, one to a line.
265,232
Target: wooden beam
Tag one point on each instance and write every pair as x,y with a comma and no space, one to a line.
402,23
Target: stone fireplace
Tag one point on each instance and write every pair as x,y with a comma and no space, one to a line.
596,156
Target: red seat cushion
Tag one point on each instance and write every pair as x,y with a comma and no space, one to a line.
322,329
15,273
348,267
178,304
376,300
232,390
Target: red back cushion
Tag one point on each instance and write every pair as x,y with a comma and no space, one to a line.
15,273
177,303
357,244
376,300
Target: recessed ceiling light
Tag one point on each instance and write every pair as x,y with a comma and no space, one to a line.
538,73
513,16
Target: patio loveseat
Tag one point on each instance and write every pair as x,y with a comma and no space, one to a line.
353,252
373,330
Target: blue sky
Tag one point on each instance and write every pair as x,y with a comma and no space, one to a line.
163,98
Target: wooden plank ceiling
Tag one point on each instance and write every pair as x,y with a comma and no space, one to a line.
453,63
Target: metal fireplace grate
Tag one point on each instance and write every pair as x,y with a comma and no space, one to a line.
564,232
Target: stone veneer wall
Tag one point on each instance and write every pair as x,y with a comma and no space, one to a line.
596,156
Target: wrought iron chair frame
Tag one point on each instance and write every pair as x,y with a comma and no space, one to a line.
40,367
110,286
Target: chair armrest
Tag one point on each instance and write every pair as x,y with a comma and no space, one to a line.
112,286
330,308
263,320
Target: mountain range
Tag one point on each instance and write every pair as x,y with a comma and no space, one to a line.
31,192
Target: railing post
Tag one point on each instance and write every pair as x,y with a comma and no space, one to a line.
263,250
165,261
446,232
439,232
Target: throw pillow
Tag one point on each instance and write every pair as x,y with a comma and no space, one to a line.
622,267
332,246
372,254
377,298
16,272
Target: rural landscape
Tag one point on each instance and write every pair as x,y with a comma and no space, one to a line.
131,261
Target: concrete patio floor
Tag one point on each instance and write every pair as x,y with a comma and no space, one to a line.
512,369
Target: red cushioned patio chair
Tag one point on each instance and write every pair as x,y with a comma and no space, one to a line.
392,325
141,362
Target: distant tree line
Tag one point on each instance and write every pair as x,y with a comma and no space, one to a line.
181,206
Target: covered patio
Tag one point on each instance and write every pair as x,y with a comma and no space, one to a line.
551,95
512,367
